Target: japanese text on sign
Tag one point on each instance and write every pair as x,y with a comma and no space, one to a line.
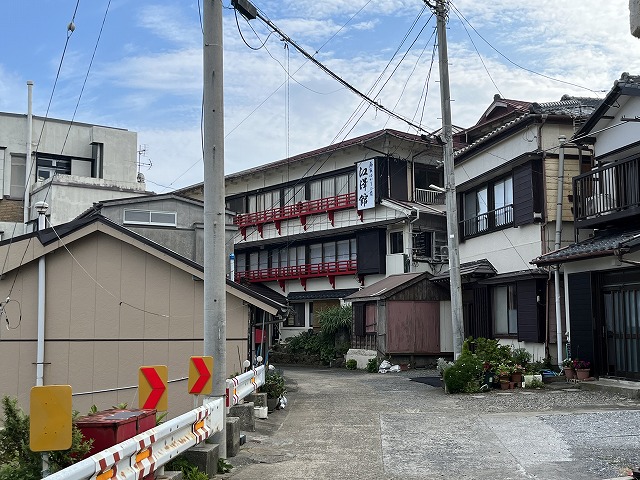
365,175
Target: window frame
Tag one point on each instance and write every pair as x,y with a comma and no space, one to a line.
486,218
393,239
150,222
511,304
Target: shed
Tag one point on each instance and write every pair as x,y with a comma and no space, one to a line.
404,315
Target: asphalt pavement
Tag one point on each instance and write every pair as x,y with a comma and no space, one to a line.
341,424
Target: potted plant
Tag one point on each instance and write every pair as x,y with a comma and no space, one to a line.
582,367
567,366
517,374
504,371
274,388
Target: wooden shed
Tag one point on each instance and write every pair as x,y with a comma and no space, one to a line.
404,316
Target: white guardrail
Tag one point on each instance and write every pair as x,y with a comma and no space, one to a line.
242,385
147,452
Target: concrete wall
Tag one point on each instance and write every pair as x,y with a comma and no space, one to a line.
127,310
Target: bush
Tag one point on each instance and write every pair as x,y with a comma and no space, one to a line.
352,364
16,458
333,319
464,375
273,384
521,356
373,365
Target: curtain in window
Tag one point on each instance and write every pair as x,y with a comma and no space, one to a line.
329,251
328,187
315,253
315,190
343,249
342,185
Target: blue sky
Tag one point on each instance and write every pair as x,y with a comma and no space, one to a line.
147,72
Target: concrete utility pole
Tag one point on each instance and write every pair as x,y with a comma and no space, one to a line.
215,305
457,321
556,272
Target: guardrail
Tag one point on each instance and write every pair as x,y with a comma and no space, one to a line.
147,452
242,385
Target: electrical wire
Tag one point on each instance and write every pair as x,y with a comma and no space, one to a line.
84,83
459,13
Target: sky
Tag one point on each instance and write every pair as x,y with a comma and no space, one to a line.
137,64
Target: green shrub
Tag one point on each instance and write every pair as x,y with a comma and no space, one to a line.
490,351
189,471
465,375
521,356
372,365
17,461
535,383
352,364
273,384
333,319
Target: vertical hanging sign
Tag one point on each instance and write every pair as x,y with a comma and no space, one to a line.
365,175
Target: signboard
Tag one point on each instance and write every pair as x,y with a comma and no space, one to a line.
152,387
365,176
200,381
50,413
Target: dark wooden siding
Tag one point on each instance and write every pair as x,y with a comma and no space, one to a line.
358,319
371,247
476,312
398,179
523,205
382,178
413,327
581,315
423,290
530,320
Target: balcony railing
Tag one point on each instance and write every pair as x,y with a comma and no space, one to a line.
429,197
607,193
487,222
301,272
300,209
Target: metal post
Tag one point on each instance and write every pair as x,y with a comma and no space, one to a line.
215,328
556,272
28,159
457,320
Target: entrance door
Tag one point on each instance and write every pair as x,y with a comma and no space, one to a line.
622,331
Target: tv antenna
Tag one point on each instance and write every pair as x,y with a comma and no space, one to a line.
142,152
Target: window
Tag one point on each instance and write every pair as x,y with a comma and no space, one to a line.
47,166
423,244
396,244
296,317
148,217
488,207
18,175
505,310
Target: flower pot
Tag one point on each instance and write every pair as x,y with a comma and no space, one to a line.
505,385
272,403
569,373
582,373
517,378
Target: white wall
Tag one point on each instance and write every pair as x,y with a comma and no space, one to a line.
446,327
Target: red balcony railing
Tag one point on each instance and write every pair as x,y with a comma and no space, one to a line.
301,272
297,210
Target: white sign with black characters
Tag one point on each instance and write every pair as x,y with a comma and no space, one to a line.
365,175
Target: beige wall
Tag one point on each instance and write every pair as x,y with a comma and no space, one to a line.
128,309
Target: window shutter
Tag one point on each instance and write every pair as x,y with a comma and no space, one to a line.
358,319
529,324
581,315
523,195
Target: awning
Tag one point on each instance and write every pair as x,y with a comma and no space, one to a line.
469,271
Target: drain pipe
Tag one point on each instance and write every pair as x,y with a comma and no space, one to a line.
41,208
556,273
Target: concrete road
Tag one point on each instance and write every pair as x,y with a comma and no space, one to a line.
341,424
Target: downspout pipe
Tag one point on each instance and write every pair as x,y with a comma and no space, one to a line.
41,208
28,160
556,273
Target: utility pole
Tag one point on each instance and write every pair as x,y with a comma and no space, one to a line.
441,8
215,305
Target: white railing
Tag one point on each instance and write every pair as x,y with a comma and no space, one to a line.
429,197
242,385
147,452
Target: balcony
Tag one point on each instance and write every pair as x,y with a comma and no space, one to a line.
607,194
299,210
301,272
428,197
487,222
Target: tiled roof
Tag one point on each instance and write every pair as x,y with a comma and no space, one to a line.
575,107
321,294
482,267
603,244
